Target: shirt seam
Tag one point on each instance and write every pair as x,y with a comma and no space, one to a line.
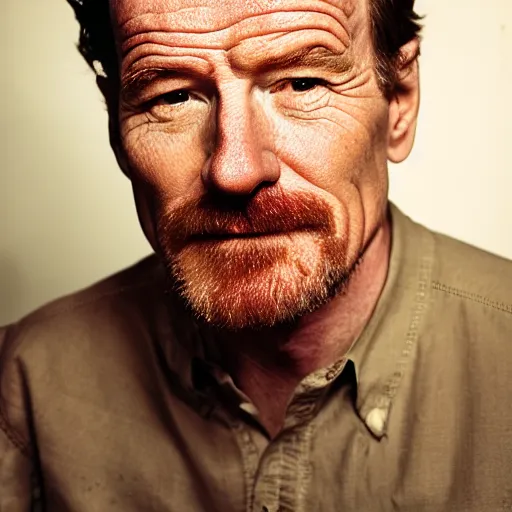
419,310
12,436
411,337
474,297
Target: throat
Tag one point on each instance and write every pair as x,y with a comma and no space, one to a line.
270,395
269,364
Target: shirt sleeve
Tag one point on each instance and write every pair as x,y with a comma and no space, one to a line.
16,466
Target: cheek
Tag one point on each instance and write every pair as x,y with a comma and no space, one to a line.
342,152
168,163
337,146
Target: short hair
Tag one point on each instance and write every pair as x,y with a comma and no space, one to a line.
393,24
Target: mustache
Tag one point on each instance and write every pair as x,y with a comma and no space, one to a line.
269,211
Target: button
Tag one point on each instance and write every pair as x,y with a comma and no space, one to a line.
376,421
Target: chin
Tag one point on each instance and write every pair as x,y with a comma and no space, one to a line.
260,282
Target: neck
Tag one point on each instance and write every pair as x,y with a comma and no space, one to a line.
269,364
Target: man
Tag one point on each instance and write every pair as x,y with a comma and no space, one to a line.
296,343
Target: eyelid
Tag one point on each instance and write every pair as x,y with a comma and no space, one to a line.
281,84
161,86
298,72
161,97
193,96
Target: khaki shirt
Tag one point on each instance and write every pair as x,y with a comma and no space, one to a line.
108,403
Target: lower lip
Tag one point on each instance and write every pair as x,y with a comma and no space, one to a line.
247,238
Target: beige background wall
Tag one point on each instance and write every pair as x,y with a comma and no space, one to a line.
66,214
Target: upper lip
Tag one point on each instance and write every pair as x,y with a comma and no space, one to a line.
228,235
224,235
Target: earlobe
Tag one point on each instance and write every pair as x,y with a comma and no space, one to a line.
109,90
404,105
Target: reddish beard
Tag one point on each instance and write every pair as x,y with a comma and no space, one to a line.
254,262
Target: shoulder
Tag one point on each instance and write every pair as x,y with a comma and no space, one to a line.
84,329
471,293
456,269
471,274
469,301
461,317
117,303
113,290
124,292
466,291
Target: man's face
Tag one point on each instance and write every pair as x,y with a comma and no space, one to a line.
255,135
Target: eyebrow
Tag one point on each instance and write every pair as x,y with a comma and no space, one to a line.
135,82
317,57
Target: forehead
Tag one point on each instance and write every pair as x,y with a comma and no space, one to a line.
227,10
218,16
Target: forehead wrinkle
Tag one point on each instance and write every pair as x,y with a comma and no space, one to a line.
225,39
164,60
347,6
186,19
120,8
154,53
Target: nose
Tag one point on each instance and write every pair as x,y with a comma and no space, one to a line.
241,159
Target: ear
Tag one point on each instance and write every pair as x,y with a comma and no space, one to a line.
110,90
404,105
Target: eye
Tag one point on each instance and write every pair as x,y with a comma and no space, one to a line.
175,97
305,84
301,94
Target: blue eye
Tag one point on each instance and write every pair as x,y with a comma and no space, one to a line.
175,97
305,84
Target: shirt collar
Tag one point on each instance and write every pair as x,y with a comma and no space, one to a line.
381,354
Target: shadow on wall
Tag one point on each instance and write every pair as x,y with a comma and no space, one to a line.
10,289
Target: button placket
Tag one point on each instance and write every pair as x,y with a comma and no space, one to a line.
284,475
250,461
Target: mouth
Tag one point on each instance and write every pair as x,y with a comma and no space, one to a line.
226,237
234,236
238,237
